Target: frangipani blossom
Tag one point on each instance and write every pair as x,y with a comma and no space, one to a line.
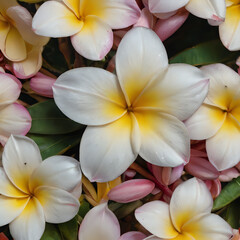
101,223
14,118
229,30
88,22
188,217
35,192
19,44
139,111
207,9
218,119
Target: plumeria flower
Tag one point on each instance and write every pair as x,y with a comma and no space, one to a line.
88,22
218,119
139,111
213,10
187,217
101,223
35,192
19,44
229,29
14,118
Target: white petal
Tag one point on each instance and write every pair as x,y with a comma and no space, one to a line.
10,89
164,139
14,119
141,58
30,224
95,39
189,199
208,226
155,217
10,208
180,92
205,122
7,188
229,30
57,171
112,148
90,96
58,205
54,19
208,9
21,156
104,223
162,6
223,148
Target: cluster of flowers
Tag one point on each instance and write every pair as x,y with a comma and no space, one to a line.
177,117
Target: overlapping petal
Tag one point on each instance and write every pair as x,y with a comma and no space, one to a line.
55,19
30,224
94,40
155,217
190,199
57,171
110,156
58,205
164,139
20,158
96,93
137,52
104,223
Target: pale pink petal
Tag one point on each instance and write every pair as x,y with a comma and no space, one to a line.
95,39
133,236
131,190
146,19
42,85
229,174
104,224
55,19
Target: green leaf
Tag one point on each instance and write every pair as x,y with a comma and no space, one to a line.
228,194
50,145
51,233
48,119
69,230
84,208
232,214
205,53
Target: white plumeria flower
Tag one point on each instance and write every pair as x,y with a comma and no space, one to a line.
35,192
188,217
139,111
101,223
14,118
18,42
213,10
218,119
88,22
229,30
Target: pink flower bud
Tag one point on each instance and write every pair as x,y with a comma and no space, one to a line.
42,85
146,19
131,190
129,174
166,27
214,187
133,236
229,174
201,168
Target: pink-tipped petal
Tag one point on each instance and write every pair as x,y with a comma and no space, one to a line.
131,190
214,186
99,223
201,168
146,19
42,85
167,27
133,236
229,174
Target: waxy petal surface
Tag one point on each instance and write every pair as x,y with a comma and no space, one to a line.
94,40
20,158
110,155
104,223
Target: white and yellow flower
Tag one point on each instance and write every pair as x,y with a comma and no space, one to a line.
229,30
139,111
208,9
218,119
188,217
88,22
19,44
35,192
